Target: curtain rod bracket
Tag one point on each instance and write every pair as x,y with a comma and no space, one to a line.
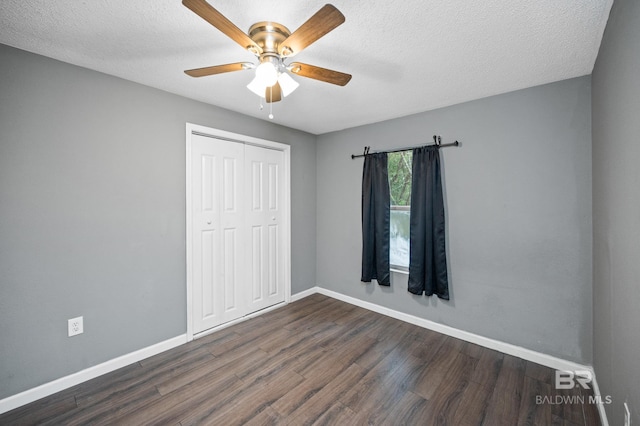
364,154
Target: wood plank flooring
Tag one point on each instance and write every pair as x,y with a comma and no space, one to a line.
318,361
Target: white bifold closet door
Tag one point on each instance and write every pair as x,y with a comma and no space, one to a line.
237,260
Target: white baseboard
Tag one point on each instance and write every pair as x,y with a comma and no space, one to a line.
66,382
303,294
507,348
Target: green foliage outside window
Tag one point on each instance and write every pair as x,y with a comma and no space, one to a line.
399,167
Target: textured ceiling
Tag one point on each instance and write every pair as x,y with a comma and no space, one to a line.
405,56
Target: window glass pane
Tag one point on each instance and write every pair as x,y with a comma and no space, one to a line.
399,247
399,165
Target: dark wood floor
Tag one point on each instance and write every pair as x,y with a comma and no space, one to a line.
317,361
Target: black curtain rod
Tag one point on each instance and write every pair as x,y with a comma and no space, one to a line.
436,139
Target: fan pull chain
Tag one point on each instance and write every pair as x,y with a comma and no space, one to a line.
271,104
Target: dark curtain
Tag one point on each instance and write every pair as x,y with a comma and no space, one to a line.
375,219
427,254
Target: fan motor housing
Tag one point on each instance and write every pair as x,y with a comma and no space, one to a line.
268,35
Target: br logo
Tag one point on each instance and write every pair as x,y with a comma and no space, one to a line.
571,379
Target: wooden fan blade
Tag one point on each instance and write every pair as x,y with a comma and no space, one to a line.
318,73
325,20
218,20
217,69
273,93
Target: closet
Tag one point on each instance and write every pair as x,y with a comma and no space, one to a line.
237,217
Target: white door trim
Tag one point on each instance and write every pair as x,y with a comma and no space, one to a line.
194,129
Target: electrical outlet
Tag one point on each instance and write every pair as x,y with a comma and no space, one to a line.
627,415
76,326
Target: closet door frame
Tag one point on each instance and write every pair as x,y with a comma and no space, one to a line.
194,129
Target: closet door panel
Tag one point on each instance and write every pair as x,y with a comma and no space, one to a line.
264,217
217,188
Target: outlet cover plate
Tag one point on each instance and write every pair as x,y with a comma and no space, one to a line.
76,326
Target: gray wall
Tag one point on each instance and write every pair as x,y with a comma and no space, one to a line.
616,203
92,214
518,194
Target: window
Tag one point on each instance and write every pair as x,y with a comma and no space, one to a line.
399,165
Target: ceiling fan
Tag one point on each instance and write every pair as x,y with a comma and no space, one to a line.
273,43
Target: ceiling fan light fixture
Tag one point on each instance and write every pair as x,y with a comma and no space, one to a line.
257,87
267,72
287,84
